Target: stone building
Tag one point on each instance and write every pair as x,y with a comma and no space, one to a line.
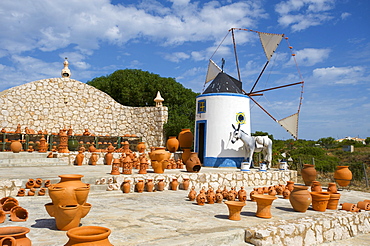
57,103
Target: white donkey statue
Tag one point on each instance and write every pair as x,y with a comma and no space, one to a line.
254,144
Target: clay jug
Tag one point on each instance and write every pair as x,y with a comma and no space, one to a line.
108,158
160,185
343,176
185,184
14,235
159,159
149,185
89,235
141,147
316,186
140,186
193,163
333,201
332,188
79,158
235,208
174,184
300,198
185,139
15,146
264,203
192,194
172,144
126,187
308,174
290,185
242,194
320,200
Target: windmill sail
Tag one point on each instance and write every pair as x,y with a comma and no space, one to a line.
290,124
213,71
270,42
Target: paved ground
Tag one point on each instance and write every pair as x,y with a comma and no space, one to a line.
158,218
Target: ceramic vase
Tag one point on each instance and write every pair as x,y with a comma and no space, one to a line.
242,195
193,164
149,185
316,186
94,158
290,185
192,194
333,201
108,158
140,186
235,207
343,176
174,184
185,139
160,185
308,174
15,146
79,158
141,147
332,188
264,203
126,187
300,198
201,197
14,235
172,144
159,159
320,200
185,184
88,235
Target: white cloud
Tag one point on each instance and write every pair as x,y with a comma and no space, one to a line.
176,56
345,15
339,75
310,56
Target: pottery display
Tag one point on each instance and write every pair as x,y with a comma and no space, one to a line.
332,188
68,204
235,208
16,146
300,198
193,163
192,194
14,235
320,200
159,159
172,144
174,184
89,235
308,174
343,176
264,203
333,201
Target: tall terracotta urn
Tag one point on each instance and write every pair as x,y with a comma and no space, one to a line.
343,176
300,198
308,174
159,159
193,164
186,138
88,235
172,144
14,235
235,208
68,204
16,146
264,203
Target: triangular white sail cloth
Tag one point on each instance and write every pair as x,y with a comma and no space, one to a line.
290,123
270,42
213,71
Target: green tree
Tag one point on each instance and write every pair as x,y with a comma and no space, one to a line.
327,143
367,140
137,88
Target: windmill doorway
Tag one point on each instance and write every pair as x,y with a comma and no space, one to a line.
201,139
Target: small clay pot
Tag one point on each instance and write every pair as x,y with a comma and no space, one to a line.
201,197
350,207
89,235
320,200
38,183
174,184
286,193
316,186
290,185
333,201
242,194
16,235
192,194
185,184
211,196
235,208
140,186
126,187
160,185
21,192
332,188
18,214
363,205
149,185
30,183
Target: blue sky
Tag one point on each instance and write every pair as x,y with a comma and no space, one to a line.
175,38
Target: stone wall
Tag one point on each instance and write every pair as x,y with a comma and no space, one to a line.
52,104
313,230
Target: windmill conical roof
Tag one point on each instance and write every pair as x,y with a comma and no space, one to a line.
224,83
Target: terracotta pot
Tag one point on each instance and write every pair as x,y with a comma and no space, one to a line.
286,193
70,190
320,200
332,188
316,186
42,192
14,235
160,185
15,146
172,144
30,183
149,185
290,185
140,186
38,183
126,187
211,196
94,158
225,193
47,183
2,216
308,174
18,214
185,139
141,147
363,205
343,176
174,184
231,196
300,198
21,192
88,235
253,192
272,192
192,194
219,196
242,195
193,163
159,159
8,199
108,158
201,198
235,207
185,184
79,158
349,207
264,203
8,205
333,201
92,148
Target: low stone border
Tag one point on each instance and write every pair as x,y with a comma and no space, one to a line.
325,227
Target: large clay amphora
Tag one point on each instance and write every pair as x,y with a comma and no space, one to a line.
308,174
14,235
186,139
159,159
16,146
88,235
343,176
300,198
193,163
172,144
